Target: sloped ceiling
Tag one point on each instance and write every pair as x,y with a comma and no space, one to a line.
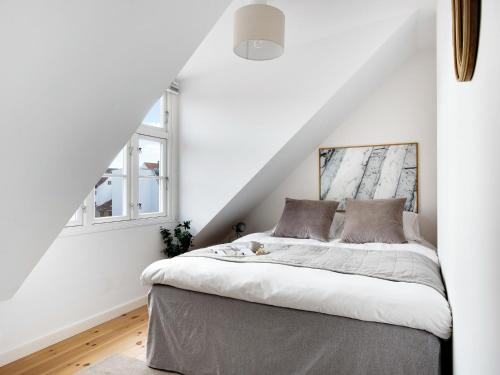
244,125
76,78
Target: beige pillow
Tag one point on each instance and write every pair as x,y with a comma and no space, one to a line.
377,220
411,226
306,219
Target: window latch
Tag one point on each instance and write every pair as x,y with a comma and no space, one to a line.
139,205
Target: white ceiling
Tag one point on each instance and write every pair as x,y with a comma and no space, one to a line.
76,79
308,21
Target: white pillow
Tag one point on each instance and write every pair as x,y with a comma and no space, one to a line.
337,225
411,226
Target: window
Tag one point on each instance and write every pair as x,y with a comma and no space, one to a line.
155,115
136,183
110,192
151,175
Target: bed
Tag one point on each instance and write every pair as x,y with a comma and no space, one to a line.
221,310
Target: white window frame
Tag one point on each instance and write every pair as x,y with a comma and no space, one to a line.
163,177
126,187
78,221
86,220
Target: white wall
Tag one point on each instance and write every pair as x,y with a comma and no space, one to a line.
468,186
81,281
236,115
402,109
356,88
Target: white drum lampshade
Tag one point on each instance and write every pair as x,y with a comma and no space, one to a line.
259,32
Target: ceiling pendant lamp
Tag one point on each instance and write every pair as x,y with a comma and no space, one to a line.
259,32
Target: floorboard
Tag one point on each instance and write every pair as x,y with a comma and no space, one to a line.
126,334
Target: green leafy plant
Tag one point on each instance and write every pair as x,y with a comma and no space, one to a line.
179,241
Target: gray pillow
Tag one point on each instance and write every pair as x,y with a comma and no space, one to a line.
306,219
377,220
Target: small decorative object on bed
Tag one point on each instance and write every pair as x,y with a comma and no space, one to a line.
177,242
466,20
369,172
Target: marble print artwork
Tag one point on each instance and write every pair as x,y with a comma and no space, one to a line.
371,172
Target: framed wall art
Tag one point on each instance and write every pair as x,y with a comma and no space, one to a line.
369,172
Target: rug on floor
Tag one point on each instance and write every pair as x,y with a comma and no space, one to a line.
119,364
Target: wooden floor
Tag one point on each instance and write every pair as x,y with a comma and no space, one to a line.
126,334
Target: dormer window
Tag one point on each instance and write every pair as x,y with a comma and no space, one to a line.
136,183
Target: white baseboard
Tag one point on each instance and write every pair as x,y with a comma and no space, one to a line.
69,330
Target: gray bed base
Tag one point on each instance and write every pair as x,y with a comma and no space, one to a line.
195,334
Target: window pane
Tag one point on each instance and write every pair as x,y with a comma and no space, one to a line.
117,166
109,197
149,157
153,118
149,195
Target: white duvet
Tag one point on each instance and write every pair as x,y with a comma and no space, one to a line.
353,296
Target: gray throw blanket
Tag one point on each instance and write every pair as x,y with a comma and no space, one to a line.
403,266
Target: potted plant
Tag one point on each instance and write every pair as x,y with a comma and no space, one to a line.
179,241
